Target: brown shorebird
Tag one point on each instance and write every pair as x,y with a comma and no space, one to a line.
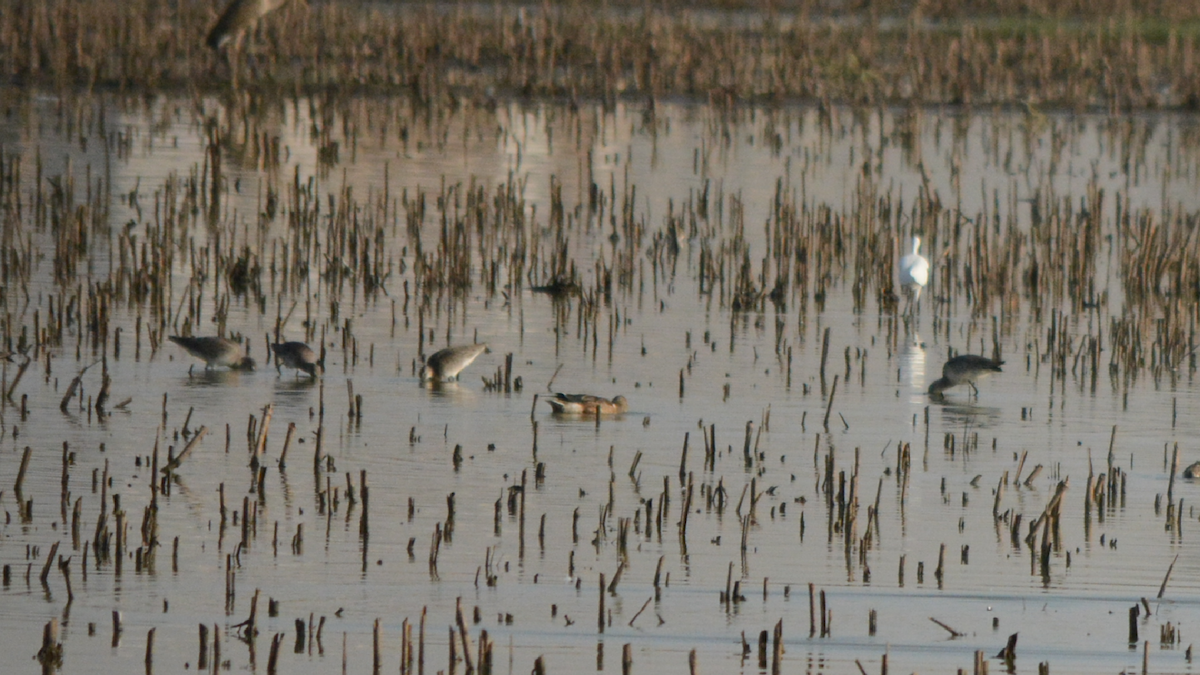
964,369
586,404
445,365
914,274
297,355
1192,472
237,18
216,351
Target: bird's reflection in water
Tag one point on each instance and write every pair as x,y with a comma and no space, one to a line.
912,364
213,377
291,384
448,390
295,392
959,414
195,505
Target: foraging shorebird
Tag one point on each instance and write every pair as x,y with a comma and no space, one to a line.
914,274
445,365
1192,472
237,18
297,355
586,404
964,369
216,351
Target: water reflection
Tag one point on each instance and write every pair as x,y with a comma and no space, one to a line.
912,364
451,392
965,414
288,384
201,377
297,394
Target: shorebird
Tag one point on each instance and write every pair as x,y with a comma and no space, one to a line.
237,18
216,351
586,404
964,369
1192,472
297,355
445,365
914,274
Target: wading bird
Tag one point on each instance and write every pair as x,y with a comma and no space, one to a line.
445,365
964,369
216,351
1192,472
586,404
240,16
297,355
914,274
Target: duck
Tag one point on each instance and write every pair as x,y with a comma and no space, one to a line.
586,404
445,365
238,17
964,369
297,355
216,351
914,273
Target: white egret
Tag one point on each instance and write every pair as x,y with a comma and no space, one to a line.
914,274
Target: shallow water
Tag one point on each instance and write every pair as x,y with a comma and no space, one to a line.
1073,614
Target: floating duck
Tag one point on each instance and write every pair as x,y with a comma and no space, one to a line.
964,369
586,404
216,351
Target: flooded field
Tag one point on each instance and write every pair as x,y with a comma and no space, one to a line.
732,271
